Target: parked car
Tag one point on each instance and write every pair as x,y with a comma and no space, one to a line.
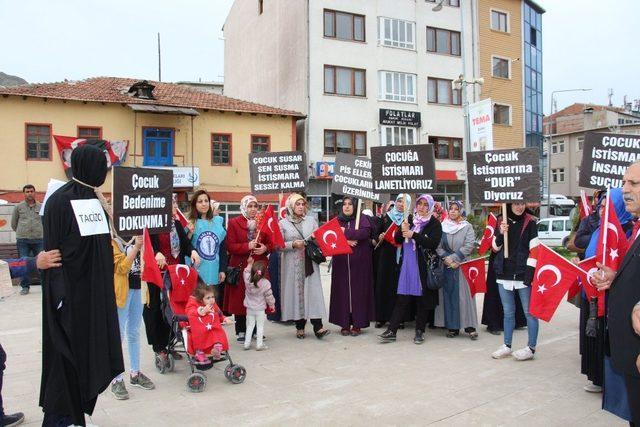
555,231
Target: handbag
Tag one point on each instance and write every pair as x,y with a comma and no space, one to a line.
231,276
312,250
435,271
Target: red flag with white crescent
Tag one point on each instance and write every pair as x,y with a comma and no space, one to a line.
331,239
585,206
489,232
553,277
389,235
475,273
612,241
282,210
180,217
150,270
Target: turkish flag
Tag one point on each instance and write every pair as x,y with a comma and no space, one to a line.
585,206
269,226
263,217
589,268
489,232
552,279
331,239
476,275
150,270
389,235
612,241
184,280
282,211
180,217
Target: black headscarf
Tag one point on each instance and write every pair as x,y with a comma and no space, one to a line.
81,350
341,215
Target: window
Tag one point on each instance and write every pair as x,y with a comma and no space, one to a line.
502,114
447,148
557,175
499,21
557,147
580,143
396,33
345,141
38,140
439,91
86,132
543,226
260,143
344,81
343,26
557,225
500,67
397,86
396,135
568,225
221,149
443,41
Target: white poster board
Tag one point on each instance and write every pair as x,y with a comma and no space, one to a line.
481,125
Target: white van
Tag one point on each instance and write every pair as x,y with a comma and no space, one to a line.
560,206
555,231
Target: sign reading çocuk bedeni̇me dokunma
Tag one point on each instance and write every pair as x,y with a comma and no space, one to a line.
141,199
504,176
605,158
282,172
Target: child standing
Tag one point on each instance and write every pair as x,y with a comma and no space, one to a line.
205,320
258,297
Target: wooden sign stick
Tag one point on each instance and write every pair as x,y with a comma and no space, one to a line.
358,214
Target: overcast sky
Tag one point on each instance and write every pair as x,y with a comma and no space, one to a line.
586,43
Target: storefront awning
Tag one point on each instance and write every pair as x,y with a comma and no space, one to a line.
163,109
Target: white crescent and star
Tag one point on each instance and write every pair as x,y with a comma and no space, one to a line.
613,228
180,266
493,230
555,270
590,274
473,277
327,233
270,223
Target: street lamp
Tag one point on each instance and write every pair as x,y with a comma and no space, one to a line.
438,7
549,137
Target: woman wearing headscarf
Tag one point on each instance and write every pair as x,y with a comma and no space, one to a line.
81,350
170,248
207,234
388,259
596,356
419,236
457,308
351,306
514,276
301,293
242,242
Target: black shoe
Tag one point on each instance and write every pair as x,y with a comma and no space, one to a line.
419,338
401,325
494,331
13,419
387,336
379,324
24,291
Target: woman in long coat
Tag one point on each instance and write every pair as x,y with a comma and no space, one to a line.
457,307
242,243
351,305
420,236
300,287
388,259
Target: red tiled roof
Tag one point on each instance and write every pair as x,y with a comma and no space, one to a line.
114,89
579,108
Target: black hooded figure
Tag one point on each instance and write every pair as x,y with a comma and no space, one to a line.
81,350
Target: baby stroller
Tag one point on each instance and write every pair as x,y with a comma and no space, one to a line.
179,283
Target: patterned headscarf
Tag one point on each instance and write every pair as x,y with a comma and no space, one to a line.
291,202
396,216
460,205
244,203
420,221
450,226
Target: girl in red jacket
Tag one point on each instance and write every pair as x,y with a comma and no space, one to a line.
205,320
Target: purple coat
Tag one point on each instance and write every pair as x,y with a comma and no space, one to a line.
352,300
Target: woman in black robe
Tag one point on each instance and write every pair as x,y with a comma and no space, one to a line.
81,350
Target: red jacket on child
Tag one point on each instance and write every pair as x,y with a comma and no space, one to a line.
205,330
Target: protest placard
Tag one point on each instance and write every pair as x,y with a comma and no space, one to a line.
282,172
141,199
605,158
408,168
352,177
504,176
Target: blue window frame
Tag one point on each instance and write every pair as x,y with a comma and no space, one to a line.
158,146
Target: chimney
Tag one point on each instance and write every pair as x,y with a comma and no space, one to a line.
142,90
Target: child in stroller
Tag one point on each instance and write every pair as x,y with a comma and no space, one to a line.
193,331
205,320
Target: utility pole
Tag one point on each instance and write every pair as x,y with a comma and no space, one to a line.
159,61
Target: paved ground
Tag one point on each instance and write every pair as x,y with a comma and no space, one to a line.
341,380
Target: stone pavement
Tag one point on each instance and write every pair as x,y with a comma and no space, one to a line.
339,380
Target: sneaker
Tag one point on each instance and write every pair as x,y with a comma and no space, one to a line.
24,291
240,337
592,388
262,347
247,347
502,352
419,338
523,354
387,336
142,381
119,390
10,420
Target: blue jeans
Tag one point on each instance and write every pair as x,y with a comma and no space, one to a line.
509,307
28,248
129,318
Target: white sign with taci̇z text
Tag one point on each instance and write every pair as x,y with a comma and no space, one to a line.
90,216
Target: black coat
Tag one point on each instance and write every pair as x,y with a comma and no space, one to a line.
427,240
521,232
81,349
386,271
623,295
